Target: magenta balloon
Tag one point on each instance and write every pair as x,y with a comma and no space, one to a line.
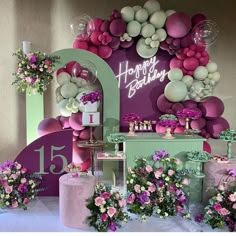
206,147
204,60
64,122
117,27
169,111
115,43
163,103
76,132
94,38
180,55
76,69
198,124
85,165
179,129
186,41
75,121
69,66
214,127
176,63
160,129
104,27
85,134
182,121
94,24
212,107
177,106
80,155
190,63
164,45
60,70
127,44
93,49
189,104
104,51
49,125
80,44
178,25
197,18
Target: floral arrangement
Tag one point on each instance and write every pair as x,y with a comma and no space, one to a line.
72,167
107,209
34,72
221,209
116,138
92,97
199,156
131,117
168,120
158,190
219,158
188,113
228,135
17,186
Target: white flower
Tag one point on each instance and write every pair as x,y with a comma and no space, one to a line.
7,196
102,209
7,203
142,188
2,196
166,214
131,181
158,211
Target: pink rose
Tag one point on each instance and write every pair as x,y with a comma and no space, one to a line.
7,171
185,181
170,172
217,206
234,206
122,203
232,197
111,211
219,198
131,198
117,195
3,182
18,166
26,201
158,172
224,211
13,176
177,161
152,188
14,204
104,216
23,180
137,188
105,195
23,170
98,201
221,187
8,189
149,168
179,208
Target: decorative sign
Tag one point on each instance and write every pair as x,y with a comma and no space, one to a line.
48,156
91,118
141,81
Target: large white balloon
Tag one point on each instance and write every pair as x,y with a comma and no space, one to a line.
200,73
63,78
175,91
69,90
141,15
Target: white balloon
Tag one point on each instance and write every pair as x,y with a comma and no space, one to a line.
200,73
152,6
216,76
154,44
63,78
148,30
198,86
161,33
170,12
136,8
211,67
141,15
148,41
175,74
69,90
62,108
206,81
175,91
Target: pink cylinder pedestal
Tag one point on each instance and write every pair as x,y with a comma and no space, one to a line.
215,174
73,192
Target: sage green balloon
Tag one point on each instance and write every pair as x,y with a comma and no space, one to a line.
144,50
69,90
170,12
63,78
133,28
175,91
141,15
216,76
152,6
211,67
158,19
175,74
147,30
161,33
62,108
188,80
200,73
127,13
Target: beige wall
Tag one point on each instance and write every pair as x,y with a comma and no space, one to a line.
45,24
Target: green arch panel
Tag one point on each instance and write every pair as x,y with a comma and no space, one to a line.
107,78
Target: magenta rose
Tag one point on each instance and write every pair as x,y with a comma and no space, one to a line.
26,201
131,198
217,206
99,201
104,216
105,195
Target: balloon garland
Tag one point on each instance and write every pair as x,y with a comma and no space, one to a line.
193,76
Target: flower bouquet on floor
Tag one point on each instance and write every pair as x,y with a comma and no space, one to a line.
157,186
34,72
106,208
168,121
17,186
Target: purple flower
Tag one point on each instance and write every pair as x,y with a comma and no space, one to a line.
33,59
188,113
143,197
198,218
168,123
112,226
161,183
7,164
23,188
232,172
131,117
160,154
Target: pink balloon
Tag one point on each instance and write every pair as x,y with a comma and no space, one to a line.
79,154
104,26
179,129
93,49
189,104
197,18
94,24
186,41
117,27
64,122
176,63
104,51
177,106
214,127
169,111
204,60
160,129
85,165
212,107
180,55
48,125
74,138
198,124
76,132
60,70
127,44
191,63
206,147
76,69
115,43
85,134
163,103
69,66
182,121
80,44
178,25
94,38
75,121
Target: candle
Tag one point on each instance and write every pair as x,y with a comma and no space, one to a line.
26,47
